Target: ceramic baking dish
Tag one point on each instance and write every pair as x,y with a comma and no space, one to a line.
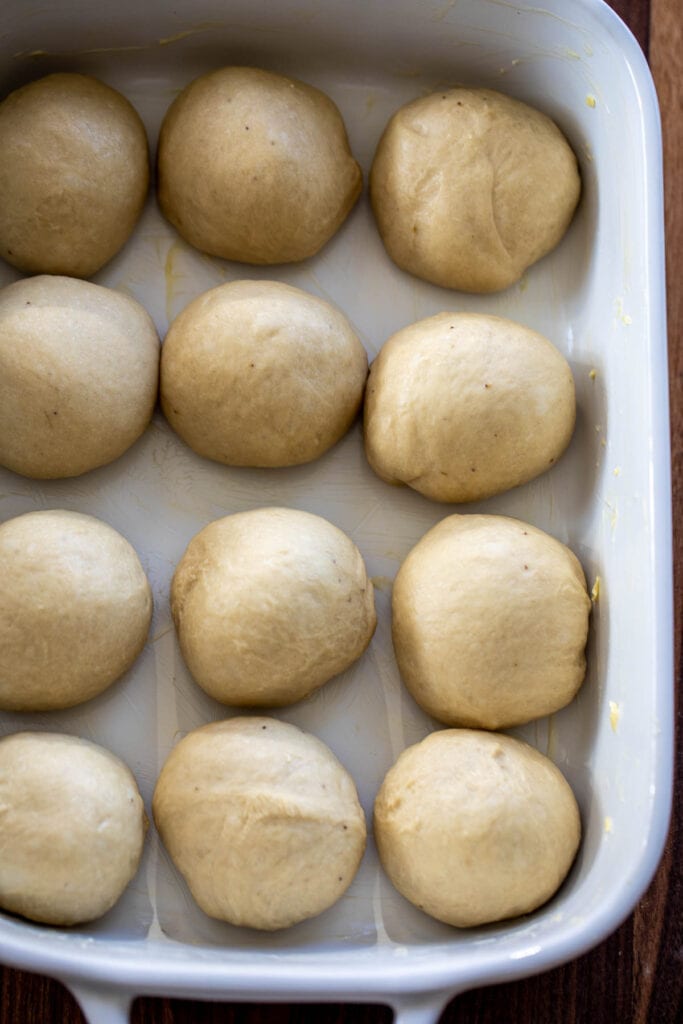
599,297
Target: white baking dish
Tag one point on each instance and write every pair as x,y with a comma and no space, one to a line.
599,297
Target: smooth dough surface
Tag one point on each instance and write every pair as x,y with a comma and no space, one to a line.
269,604
79,367
255,167
262,821
474,827
257,373
73,828
470,187
462,406
75,609
74,173
490,621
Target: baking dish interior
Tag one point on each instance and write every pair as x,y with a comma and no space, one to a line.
598,297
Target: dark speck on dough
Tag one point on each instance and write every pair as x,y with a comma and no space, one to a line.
487,385
526,566
251,364
264,726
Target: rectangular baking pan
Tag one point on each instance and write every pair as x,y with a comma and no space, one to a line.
599,297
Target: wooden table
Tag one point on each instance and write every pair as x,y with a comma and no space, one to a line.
637,974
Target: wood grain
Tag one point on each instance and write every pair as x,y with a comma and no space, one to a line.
636,975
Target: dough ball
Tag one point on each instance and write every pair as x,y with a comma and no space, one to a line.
73,827
490,620
255,167
256,373
462,406
474,827
269,605
74,172
79,367
75,609
261,820
470,187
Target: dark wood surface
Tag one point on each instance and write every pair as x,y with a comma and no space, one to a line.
636,975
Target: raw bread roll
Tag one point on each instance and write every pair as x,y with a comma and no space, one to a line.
490,620
470,187
261,820
474,827
73,828
75,609
79,367
74,172
255,167
256,373
269,605
462,406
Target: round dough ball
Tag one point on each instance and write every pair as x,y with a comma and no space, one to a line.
462,406
474,827
73,828
74,172
79,367
75,609
262,821
255,167
256,373
269,605
490,621
470,187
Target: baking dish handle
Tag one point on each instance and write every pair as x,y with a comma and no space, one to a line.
422,1009
113,1007
102,1006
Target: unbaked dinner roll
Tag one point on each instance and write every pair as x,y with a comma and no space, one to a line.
255,167
490,620
75,609
474,827
74,172
269,604
462,406
79,367
73,828
262,821
470,187
256,373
